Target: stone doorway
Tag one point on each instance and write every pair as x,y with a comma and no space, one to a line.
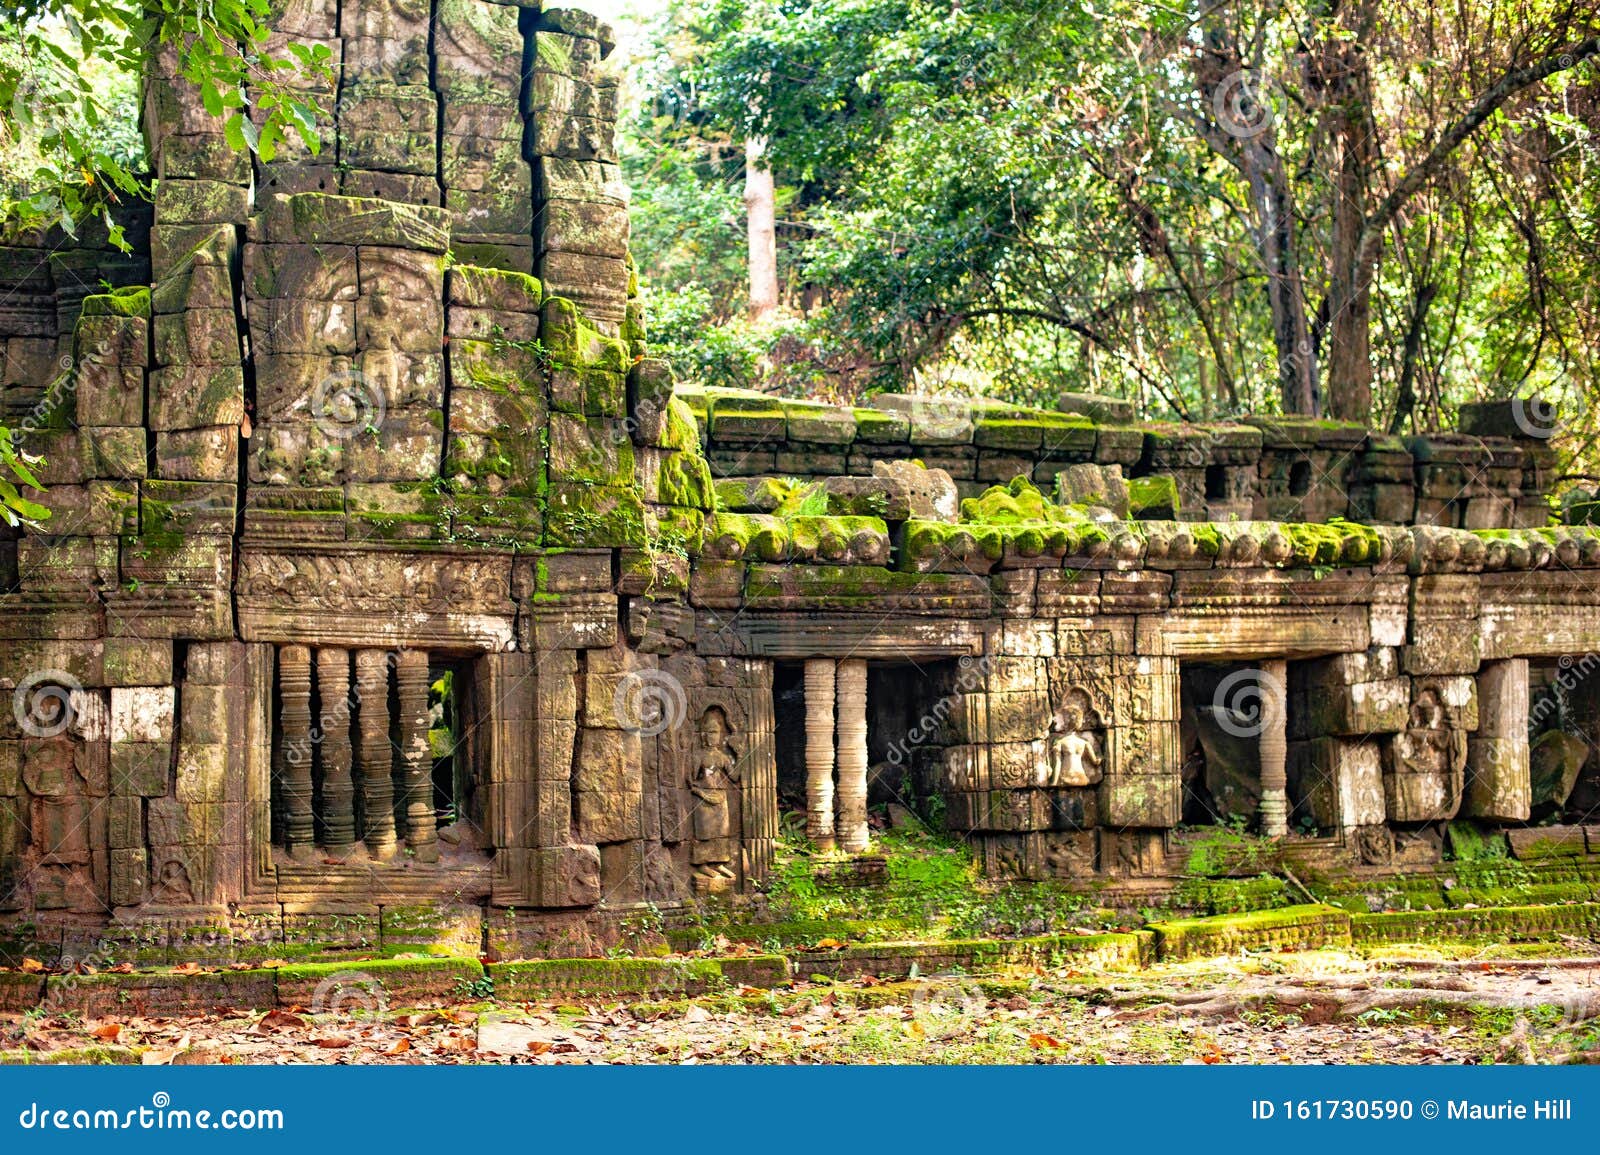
1233,740
1564,739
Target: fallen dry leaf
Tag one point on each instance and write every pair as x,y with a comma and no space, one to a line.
400,1047
32,966
331,1043
1039,1040
537,1046
107,1032
279,1021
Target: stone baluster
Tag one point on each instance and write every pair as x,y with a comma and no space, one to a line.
852,754
1274,806
375,759
758,784
416,759
292,760
819,751
338,784
1500,786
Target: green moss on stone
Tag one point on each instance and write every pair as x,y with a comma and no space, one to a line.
1155,496
128,301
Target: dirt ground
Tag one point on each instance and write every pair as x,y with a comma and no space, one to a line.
1314,1007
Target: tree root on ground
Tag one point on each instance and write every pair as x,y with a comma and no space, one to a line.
1320,1003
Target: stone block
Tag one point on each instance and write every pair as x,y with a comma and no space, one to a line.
109,394
125,822
202,772
1326,708
592,227
112,452
140,768
321,219
197,337
566,876
1419,796
1336,782
142,714
934,420
130,876
195,396
208,454
1141,800
389,128
1499,785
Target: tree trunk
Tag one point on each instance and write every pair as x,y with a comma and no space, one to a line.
1243,133
761,214
1340,70
1291,333
1406,398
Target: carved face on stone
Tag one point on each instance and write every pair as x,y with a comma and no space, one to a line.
713,729
1427,712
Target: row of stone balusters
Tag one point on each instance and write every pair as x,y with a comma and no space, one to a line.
836,738
394,780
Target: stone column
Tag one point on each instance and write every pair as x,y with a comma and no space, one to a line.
819,751
1499,784
852,754
416,759
1274,807
292,759
376,759
338,786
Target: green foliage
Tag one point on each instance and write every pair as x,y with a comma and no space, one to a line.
69,147
1008,199
16,467
934,886
1229,850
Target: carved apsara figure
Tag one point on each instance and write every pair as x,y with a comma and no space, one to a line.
1425,764
1075,744
715,774
54,774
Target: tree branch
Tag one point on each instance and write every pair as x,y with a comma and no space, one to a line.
1485,106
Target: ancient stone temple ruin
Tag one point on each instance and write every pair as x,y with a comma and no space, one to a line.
390,583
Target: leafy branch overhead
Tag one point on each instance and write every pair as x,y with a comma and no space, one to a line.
68,101
1366,209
